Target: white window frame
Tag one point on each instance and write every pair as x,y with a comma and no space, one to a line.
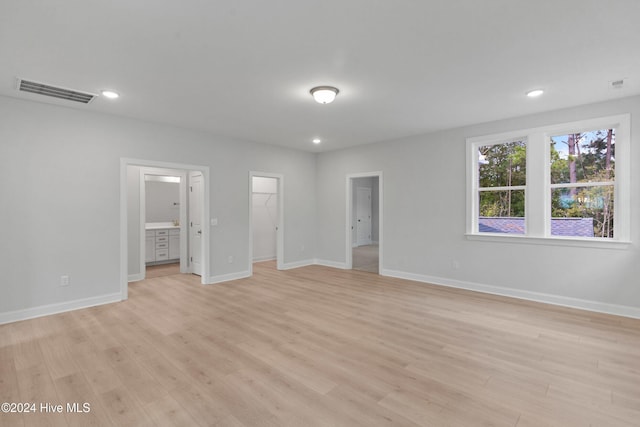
538,184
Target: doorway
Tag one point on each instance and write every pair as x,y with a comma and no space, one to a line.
133,233
364,222
265,218
162,219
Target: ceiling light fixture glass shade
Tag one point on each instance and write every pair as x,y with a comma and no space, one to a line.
534,93
324,94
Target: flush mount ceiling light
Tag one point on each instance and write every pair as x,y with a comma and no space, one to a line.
110,94
316,140
535,93
324,94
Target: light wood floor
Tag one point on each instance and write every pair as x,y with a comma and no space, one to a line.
321,347
365,258
152,271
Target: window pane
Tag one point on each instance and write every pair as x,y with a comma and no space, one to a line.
501,212
583,157
582,212
502,165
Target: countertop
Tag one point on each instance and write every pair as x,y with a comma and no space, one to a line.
159,225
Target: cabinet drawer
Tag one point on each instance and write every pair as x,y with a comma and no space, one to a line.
162,245
150,233
163,232
162,254
174,231
162,239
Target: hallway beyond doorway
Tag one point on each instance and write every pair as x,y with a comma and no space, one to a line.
365,258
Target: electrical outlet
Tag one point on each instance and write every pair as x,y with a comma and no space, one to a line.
230,259
64,280
302,248
455,264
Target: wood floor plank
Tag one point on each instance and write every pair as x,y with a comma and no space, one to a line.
74,388
168,412
9,383
317,346
36,386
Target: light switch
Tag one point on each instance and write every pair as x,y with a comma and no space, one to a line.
214,221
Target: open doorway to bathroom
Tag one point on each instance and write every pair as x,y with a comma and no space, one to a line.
162,215
158,230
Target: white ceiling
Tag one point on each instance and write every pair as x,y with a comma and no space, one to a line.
244,68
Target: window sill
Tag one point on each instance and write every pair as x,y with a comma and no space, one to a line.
551,241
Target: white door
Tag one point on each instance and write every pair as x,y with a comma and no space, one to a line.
363,216
195,222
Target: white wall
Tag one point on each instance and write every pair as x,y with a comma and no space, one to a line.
60,177
424,219
160,199
264,217
60,172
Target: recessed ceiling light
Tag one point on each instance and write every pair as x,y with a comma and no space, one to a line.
324,94
534,93
316,141
110,94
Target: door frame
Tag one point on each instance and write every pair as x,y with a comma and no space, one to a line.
349,220
279,221
183,213
124,248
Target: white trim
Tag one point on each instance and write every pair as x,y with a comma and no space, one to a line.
585,242
124,162
280,231
581,304
228,277
135,277
264,258
512,188
49,309
584,184
333,264
348,264
298,264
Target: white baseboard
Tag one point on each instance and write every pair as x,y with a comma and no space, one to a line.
334,264
135,277
46,310
227,277
264,258
600,307
297,264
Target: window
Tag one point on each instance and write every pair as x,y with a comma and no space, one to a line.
563,184
502,176
582,174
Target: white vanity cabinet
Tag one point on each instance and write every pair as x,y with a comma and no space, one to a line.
162,244
150,246
174,243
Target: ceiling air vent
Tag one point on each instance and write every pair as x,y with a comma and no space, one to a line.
54,91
